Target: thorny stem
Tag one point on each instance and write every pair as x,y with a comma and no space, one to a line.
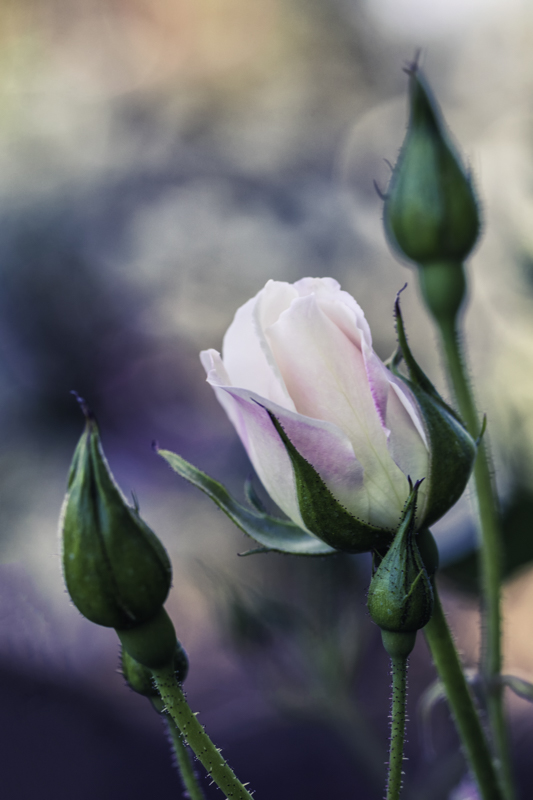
446,660
195,736
490,554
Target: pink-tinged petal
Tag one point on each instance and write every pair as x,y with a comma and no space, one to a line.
322,444
378,381
247,357
266,451
325,375
381,381
216,372
406,445
401,420
219,380
339,306
408,401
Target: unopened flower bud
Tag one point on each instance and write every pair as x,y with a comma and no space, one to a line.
116,570
400,598
431,213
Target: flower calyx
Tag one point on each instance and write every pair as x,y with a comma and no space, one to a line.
322,514
452,449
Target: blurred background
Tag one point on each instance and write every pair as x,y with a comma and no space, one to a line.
160,160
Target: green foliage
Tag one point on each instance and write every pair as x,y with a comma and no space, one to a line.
452,449
323,514
271,533
520,687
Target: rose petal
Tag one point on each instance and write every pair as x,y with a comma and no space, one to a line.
324,445
407,447
265,449
246,354
325,374
218,377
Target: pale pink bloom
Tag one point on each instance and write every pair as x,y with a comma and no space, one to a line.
304,351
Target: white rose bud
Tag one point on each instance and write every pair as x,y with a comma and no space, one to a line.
332,433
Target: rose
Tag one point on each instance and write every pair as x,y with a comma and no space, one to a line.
304,353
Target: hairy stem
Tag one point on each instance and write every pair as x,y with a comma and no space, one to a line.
184,762
448,665
195,736
397,735
490,555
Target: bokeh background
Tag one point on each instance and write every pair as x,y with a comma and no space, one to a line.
159,161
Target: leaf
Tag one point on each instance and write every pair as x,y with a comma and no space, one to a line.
522,688
253,498
273,534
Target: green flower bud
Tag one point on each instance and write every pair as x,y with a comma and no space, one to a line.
116,570
400,598
430,213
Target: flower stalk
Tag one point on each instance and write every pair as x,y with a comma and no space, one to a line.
184,763
400,601
490,554
448,665
432,219
195,736
397,735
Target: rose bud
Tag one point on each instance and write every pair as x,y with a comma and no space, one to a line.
333,434
430,211
400,597
116,570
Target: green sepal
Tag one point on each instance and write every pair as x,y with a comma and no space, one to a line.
322,514
273,534
400,597
430,212
452,449
140,678
117,572
152,643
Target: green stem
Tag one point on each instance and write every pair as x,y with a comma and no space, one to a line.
397,733
446,660
185,765
195,736
490,554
